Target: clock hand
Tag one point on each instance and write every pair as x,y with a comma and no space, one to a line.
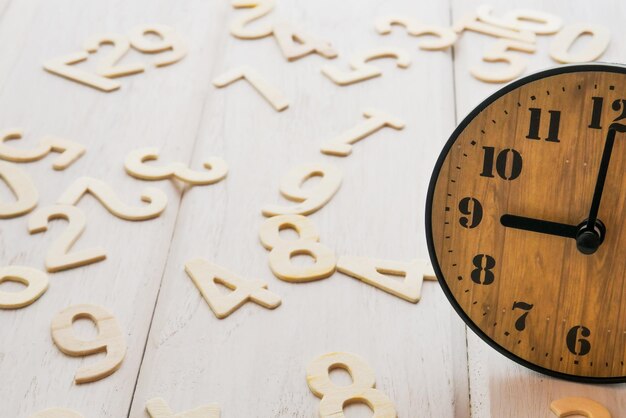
538,225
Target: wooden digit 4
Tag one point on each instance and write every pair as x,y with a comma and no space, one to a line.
361,70
295,44
206,276
136,166
36,283
282,251
158,408
22,187
579,406
58,257
156,199
446,36
109,340
259,8
334,398
309,201
379,273
57,413
269,92
70,151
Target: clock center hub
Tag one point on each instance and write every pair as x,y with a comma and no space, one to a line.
588,240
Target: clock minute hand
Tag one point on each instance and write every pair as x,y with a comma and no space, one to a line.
538,225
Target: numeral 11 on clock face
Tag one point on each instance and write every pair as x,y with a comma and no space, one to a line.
535,123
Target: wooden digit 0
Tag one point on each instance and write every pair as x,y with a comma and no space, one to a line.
169,41
158,408
281,251
361,70
108,66
22,187
446,37
156,199
259,8
498,52
334,397
57,413
135,164
58,257
566,407
308,201
295,44
109,340
36,283
562,42
70,151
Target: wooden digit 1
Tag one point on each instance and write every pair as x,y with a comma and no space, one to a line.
70,151
269,92
169,41
563,41
588,408
282,251
380,274
308,200
341,146
446,37
135,164
334,398
109,340
259,8
57,413
295,44
158,408
22,187
36,283
206,276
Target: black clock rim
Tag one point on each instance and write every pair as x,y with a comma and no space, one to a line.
564,69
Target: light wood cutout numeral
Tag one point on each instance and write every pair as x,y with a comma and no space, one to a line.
135,164
109,340
64,66
579,406
499,52
471,22
361,70
168,40
206,276
156,199
536,21
258,9
58,257
57,413
269,92
446,37
341,145
308,200
108,66
408,280
158,408
295,44
36,283
70,151
22,187
563,41
334,398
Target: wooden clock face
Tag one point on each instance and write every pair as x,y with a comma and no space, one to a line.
528,241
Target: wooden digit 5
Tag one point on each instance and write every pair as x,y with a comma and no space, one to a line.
309,201
259,8
136,166
109,340
446,36
169,41
579,406
108,67
335,397
281,251
70,151
498,52
158,408
156,199
361,70
36,283
57,413
58,257
22,187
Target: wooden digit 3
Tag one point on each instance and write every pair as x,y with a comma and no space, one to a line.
57,413
36,283
158,408
361,70
22,187
579,406
110,340
335,397
70,151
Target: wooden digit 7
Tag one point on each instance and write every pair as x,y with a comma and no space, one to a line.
109,340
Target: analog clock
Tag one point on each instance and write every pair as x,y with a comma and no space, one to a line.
526,221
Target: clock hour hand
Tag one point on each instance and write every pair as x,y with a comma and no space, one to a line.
538,225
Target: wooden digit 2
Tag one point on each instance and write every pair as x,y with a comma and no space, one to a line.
525,221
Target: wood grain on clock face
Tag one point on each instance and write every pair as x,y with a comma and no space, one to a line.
534,150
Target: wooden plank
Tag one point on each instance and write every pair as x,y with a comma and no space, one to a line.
253,362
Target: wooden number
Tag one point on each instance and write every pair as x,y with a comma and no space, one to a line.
58,257
308,200
446,37
295,44
471,22
579,406
70,151
536,21
57,413
22,187
341,145
361,70
498,52
259,9
169,41
63,66
110,340
206,276
334,397
158,408
108,67
269,92
36,283
379,273
135,164
281,251
156,199
563,41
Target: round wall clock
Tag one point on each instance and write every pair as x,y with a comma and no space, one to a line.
526,221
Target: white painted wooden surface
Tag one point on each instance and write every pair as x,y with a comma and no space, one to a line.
253,362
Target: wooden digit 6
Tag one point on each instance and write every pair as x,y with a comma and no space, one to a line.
566,407
334,397
22,187
307,244
36,285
